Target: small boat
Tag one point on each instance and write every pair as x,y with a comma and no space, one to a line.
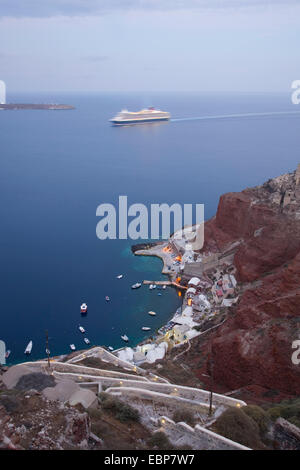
146,328
110,348
125,338
83,308
28,348
159,293
47,352
72,346
107,298
151,313
7,354
120,276
81,329
136,285
86,340
164,287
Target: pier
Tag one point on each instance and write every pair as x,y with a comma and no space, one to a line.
165,283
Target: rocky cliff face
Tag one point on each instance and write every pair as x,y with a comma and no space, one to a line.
254,346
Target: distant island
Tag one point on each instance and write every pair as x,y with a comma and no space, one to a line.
12,106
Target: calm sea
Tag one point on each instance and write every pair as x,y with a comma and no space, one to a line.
56,167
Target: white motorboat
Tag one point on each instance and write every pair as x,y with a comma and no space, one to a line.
86,340
107,298
47,351
125,338
146,328
136,285
83,308
164,287
72,346
28,348
81,329
110,348
7,354
120,276
152,313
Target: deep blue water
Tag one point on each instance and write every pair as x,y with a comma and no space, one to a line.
56,167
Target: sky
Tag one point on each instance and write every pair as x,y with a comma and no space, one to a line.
149,45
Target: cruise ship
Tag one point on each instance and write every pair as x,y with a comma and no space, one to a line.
145,115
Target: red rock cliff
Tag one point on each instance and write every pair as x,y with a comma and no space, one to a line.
254,346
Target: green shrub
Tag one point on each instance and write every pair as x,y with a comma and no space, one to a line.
184,415
117,408
259,416
286,409
274,412
160,441
95,413
239,427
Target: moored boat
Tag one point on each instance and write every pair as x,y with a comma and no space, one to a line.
146,328
81,329
110,348
7,354
136,285
72,346
83,308
125,338
28,348
86,340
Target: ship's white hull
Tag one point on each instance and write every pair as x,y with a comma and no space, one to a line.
123,122
145,115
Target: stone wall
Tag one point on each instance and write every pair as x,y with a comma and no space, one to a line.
199,438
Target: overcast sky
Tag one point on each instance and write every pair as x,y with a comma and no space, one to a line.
137,45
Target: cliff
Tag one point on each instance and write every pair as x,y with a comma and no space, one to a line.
254,345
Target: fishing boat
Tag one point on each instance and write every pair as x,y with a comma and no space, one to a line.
125,338
146,328
28,348
72,346
107,298
120,276
152,313
81,329
136,285
83,308
86,340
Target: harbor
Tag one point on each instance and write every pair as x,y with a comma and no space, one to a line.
204,299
